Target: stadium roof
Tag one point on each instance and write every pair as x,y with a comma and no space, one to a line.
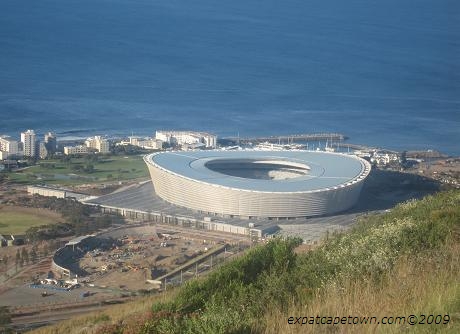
325,169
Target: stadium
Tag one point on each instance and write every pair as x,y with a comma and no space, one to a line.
259,184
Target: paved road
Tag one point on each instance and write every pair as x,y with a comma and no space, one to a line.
314,229
47,317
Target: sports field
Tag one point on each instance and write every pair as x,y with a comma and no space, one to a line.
16,220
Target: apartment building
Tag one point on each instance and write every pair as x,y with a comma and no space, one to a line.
98,143
9,147
79,149
30,143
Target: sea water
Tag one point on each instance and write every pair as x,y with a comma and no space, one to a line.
384,73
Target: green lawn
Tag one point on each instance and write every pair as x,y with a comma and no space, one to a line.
106,169
15,220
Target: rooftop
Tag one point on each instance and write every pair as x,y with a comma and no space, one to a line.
265,171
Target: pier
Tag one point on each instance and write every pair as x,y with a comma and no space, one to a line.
290,138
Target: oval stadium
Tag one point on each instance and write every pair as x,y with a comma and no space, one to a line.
259,184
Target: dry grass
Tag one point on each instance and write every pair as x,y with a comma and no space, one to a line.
425,285
130,313
416,286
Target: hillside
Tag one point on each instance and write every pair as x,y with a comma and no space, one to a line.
402,263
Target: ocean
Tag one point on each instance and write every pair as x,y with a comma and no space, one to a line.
384,73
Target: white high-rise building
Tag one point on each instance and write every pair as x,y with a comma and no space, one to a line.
30,144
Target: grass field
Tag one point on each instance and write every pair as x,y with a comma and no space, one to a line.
16,220
106,169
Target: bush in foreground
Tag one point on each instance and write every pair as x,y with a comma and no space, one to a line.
234,298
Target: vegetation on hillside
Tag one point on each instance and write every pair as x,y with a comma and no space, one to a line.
400,263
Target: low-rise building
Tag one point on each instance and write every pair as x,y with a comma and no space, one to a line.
379,157
384,159
147,143
187,138
54,192
79,149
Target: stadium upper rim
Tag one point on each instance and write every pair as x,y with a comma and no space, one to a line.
320,171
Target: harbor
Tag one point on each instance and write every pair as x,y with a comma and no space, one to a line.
306,137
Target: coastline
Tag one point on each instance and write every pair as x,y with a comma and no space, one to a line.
79,135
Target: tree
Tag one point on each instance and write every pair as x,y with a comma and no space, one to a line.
48,165
92,157
5,319
76,168
5,260
32,233
18,259
66,159
45,250
24,256
34,255
89,168
53,245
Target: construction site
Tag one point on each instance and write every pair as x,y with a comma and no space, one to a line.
147,257
115,266
142,256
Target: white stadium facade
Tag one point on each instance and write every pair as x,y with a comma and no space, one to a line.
259,184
